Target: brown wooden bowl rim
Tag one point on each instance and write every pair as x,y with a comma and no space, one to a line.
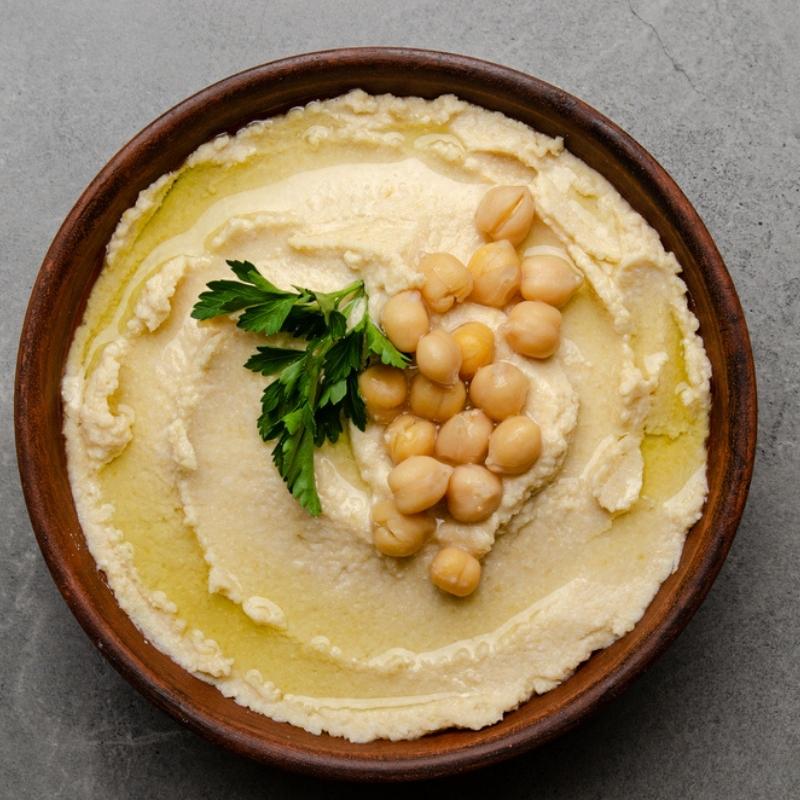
181,706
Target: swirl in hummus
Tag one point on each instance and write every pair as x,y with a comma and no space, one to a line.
300,618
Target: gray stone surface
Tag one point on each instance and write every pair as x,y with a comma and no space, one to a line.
711,89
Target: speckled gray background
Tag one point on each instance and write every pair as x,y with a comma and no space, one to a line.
712,89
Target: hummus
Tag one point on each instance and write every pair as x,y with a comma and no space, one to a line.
300,618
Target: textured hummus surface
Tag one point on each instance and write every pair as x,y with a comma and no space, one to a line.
300,618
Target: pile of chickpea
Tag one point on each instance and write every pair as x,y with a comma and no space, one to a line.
444,449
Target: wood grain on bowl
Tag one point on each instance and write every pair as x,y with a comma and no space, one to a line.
75,259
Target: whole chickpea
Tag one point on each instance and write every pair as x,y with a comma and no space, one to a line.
455,571
506,212
384,391
548,275
515,446
474,493
500,390
476,342
418,483
405,320
447,281
410,436
396,534
439,357
533,329
495,274
434,401
464,438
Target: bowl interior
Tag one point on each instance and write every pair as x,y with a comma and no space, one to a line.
75,259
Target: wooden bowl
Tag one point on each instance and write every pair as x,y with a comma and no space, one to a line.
75,259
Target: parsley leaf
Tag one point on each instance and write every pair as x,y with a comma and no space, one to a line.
293,455
379,345
248,273
225,297
269,360
344,356
268,317
353,404
314,389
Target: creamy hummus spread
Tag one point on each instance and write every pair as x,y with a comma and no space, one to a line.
299,617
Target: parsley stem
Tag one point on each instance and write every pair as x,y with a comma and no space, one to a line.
355,287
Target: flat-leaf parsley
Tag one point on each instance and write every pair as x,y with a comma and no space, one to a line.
315,387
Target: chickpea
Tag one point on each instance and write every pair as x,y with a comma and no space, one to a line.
455,571
495,273
447,281
476,342
435,402
439,357
515,446
418,483
500,390
405,320
464,438
396,534
384,390
506,212
474,493
410,436
534,329
549,277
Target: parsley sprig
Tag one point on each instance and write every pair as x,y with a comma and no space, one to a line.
315,386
